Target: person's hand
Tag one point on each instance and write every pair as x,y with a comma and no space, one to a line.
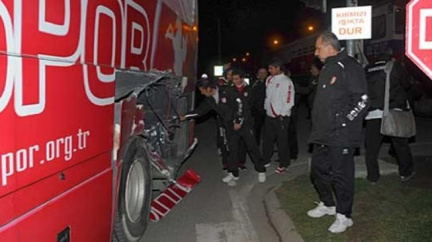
237,126
182,118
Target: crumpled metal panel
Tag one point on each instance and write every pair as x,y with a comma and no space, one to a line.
128,81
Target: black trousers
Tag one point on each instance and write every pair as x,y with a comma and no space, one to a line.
230,149
258,125
276,129
374,139
292,136
247,144
222,143
332,172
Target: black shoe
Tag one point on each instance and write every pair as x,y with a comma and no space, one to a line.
407,178
310,148
357,152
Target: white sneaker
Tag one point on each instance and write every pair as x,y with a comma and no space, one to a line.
321,210
341,224
261,177
229,177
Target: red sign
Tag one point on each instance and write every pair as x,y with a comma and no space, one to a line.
419,34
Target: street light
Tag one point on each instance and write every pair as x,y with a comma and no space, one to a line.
311,28
244,59
247,54
275,42
234,59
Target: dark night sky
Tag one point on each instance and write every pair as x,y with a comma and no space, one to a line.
249,26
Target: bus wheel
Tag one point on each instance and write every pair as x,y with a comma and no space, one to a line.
134,194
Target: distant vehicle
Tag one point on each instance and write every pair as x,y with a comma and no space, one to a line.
90,95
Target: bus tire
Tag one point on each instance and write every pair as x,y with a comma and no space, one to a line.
133,202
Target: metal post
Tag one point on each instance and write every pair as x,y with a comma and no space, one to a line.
219,41
350,45
324,6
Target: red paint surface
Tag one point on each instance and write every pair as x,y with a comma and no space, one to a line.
52,95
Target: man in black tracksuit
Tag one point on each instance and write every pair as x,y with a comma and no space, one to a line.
338,110
399,84
225,80
225,102
245,135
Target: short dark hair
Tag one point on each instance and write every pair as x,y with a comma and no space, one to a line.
238,72
331,39
206,82
386,54
277,63
225,72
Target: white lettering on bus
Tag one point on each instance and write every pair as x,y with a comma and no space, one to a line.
10,48
82,139
24,159
137,32
19,161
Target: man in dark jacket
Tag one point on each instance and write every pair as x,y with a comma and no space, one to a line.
257,103
245,135
399,83
225,80
228,106
337,114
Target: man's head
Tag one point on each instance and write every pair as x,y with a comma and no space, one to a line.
387,54
237,77
207,86
326,45
276,67
228,74
262,74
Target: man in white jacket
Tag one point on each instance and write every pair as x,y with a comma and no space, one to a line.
278,103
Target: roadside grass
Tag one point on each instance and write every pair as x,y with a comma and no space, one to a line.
388,211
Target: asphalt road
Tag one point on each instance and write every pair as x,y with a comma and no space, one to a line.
215,212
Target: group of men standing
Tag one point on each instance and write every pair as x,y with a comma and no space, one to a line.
241,113
339,107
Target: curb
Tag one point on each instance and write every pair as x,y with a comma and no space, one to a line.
281,222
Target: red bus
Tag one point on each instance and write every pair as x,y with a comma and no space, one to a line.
90,94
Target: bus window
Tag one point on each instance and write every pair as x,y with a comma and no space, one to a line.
379,27
399,21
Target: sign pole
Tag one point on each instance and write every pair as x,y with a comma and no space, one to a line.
324,6
350,44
